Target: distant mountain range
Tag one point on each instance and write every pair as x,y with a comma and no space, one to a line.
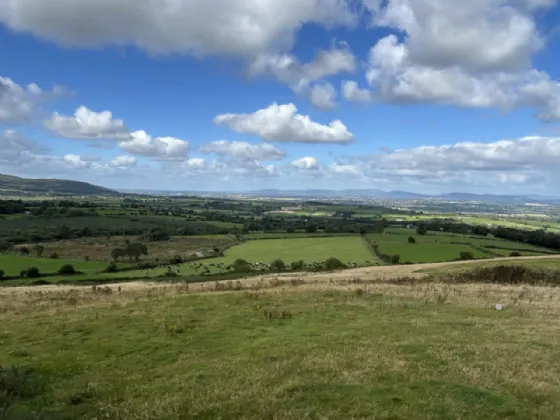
13,185
405,195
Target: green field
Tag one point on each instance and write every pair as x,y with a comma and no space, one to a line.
13,264
393,352
426,253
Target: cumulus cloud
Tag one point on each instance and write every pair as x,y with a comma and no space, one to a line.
306,163
19,104
288,69
281,123
16,149
323,95
231,27
160,148
243,151
123,161
475,54
86,124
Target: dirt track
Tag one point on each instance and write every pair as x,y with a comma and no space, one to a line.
380,272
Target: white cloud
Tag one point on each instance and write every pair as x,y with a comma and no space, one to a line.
352,93
16,148
475,54
243,151
281,123
474,35
344,169
232,27
306,163
322,96
160,148
288,69
18,104
76,161
87,125
197,163
123,161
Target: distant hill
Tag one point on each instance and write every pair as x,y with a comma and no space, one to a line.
13,185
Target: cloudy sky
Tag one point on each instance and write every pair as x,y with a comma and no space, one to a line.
423,95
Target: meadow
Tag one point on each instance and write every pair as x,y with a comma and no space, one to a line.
281,349
13,264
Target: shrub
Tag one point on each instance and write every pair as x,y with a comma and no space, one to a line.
54,256
466,255
1,274
277,265
23,273
241,266
67,269
86,258
515,254
333,264
112,267
176,259
33,272
411,240
297,265
395,259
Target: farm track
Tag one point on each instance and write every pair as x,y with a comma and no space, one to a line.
371,273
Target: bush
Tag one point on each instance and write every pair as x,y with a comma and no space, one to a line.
176,259
411,240
54,256
241,266
67,269
86,258
466,255
334,264
515,254
297,265
277,265
23,273
111,268
1,274
395,259
33,272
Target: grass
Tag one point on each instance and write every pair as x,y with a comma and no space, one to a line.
546,264
426,253
330,350
13,264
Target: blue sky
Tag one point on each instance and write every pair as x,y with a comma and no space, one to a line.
423,95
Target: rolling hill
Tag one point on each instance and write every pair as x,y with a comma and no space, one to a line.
15,185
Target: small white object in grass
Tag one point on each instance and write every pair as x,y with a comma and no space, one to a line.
499,306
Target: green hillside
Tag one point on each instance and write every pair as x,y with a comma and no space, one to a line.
16,185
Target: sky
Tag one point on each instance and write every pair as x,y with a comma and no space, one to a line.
429,96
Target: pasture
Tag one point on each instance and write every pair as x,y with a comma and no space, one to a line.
13,264
346,349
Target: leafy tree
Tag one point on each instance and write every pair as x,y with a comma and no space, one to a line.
176,259
67,269
297,265
422,229
54,256
515,254
33,272
24,250
311,228
241,266
39,249
333,264
278,265
395,259
466,255
112,267
411,240
1,274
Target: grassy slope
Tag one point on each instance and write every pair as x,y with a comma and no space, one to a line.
394,353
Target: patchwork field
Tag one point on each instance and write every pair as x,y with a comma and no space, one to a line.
13,264
337,350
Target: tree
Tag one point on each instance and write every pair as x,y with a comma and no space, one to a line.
466,255
39,249
411,240
67,269
395,259
422,229
333,264
112,267
297,265
24,250
241,266
54,256
33,272
311,228
1,274
278,265
515,254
